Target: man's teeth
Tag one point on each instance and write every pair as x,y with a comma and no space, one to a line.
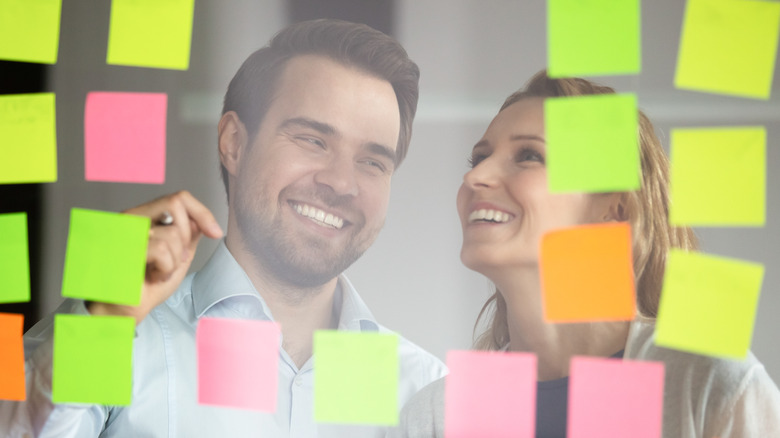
488,215
319,216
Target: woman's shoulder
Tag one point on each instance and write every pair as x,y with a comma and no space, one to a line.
423,414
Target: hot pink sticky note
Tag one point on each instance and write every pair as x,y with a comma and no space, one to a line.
615,398
238,363
490,394
124,137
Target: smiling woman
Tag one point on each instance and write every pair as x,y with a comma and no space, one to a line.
505,208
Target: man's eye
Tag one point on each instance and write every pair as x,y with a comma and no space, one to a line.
376,164
315,141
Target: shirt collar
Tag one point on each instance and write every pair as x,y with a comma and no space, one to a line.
222,279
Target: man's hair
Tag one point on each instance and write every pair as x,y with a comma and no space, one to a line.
647,210
253,88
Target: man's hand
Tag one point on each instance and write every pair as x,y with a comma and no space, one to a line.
170,251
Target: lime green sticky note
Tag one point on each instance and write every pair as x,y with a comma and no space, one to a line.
356,377
28,138
151,33
592,143
106,256
708,304
14,259
93,359
30,30
718,176
593,37
729,47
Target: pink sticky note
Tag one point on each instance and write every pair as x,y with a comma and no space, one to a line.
490,394
615,397
124,137
238,363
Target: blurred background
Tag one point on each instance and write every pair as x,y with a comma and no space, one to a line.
472,54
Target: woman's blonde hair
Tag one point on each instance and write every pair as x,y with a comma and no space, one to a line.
646,210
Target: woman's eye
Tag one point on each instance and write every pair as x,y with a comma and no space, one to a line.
475,159
529,155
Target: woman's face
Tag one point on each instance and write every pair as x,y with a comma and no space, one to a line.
504,203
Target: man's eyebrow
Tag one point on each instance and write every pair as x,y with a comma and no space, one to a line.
303,122
381,150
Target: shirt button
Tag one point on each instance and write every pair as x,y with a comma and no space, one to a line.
298,381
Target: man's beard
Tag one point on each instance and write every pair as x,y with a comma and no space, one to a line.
294,260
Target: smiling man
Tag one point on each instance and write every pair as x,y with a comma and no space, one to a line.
313,128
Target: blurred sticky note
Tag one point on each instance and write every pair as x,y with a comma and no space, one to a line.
490,394
30,30
718,176
28,138
356,377
592,143
151,33
14,259
615,398
238,363
106,256
728,47
593,37
708,304
124,137
11,357
93,359
587,273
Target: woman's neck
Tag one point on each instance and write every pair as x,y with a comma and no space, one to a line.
554,344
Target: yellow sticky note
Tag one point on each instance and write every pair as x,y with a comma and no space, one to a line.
151,33
729,47
708,304
30,30
28,138
718,176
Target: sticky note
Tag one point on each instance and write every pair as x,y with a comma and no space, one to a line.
615,397
718,176
593,37
12,386
356,377
124,137
708,304
105,259
592,143
30,30
238,363
728,47
93,359
14,259
490,394
28,138
150,33
587,273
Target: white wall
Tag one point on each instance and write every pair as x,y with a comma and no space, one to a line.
472,54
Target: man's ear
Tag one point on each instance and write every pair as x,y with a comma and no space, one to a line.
232,139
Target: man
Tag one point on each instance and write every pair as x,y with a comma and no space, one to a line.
313,127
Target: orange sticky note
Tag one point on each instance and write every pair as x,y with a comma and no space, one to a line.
587,273
11,357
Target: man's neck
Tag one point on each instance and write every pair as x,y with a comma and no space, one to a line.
299,311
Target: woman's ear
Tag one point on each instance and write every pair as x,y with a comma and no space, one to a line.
232,141
615,207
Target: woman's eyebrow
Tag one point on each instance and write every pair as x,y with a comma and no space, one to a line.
526,137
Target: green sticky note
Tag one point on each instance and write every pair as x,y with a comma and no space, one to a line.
356,377
593,37
93,359
14,259
729,47
708,304
592,143
718,176
28,138
150,33
106,256
30,30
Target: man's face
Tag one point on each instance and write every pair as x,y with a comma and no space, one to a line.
312,189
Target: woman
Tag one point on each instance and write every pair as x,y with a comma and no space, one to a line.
505,208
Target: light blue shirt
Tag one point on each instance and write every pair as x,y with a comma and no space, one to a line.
164,402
